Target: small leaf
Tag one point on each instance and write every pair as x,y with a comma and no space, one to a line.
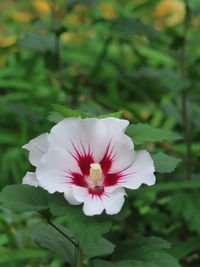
100,248
55,117
186,247
127,263
23,198
186,206
164,163
114,115
86,229
38,41
142,133
128,27
66,112
50,238
150,251
20,255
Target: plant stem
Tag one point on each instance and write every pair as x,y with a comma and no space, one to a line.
66,236
79,257
184,100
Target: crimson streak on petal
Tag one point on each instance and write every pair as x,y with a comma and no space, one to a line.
107,160
84,159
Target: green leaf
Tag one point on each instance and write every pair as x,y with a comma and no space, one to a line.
187,247
114,114
186,205
142,133
86,229
72,3
38,41
55,117
128,27
22,254
164,163
150,251
126,263
100,248
23,198
50,238
66,112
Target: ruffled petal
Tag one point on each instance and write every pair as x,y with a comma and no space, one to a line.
68,194
113,201
93,205
79,134
54,171
30,179
37,147
141,171
115,130
80,193
89,135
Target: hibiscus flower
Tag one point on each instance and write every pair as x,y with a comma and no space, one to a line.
91,161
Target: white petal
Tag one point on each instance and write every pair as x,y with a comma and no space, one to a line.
93,205
80,193
76,131
124,157
37,148
114,201
141,171
116,128
96,133
30,179
68,194
52,171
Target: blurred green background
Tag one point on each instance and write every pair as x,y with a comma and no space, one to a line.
139,56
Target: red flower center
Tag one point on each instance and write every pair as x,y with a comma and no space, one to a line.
94,179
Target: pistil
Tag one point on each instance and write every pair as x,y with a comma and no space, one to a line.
95,179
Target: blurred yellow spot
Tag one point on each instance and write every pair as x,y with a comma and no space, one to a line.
145,114
169,13
7,40
42,6
74,19
80,9
128,115
71,37
108,11
196,22
22,16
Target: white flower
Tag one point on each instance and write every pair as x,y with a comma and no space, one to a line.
90,161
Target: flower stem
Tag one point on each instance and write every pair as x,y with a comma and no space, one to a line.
79,257
62,233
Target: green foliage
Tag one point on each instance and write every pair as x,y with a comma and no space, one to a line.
126,263
50,238
126,28
38,42
164,163
66,112
187,208
150,250
141,252
21,254
114,115
99,57
93,226
142,133
23,198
